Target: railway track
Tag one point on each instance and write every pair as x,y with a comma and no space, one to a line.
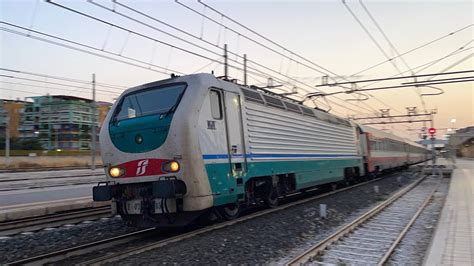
126,252
372,238
42,169
30,224
15,181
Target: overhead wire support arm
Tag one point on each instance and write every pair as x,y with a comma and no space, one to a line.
391,116
421,82
394,78
401,86
191,52
200,38
398,122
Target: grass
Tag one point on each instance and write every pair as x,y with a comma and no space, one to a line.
46,153
47,161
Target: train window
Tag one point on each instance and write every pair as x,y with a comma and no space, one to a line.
307,111
371,144
216,104
292,107
252,96
273,102
155,100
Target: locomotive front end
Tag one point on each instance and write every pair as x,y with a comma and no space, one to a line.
147,169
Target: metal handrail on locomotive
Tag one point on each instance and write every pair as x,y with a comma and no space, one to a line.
176,149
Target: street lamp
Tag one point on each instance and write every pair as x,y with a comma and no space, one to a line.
452,146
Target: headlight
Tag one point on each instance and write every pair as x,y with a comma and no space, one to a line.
116,172
171,167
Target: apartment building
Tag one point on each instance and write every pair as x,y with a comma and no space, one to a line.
61,122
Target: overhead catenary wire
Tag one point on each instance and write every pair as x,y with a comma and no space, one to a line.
137,63
55,83
372,18
22,91
379,47
191,35
452,65
437,80
374,21
412,84
216,62
249,29
423,65
463,47
78,49
63,78
140,34
263,45
372,38
52,88
131,31
420,95
174,46
325,72
414,49
441,73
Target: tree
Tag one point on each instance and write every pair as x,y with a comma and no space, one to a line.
19,144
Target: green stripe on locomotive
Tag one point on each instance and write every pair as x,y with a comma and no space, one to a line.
308,173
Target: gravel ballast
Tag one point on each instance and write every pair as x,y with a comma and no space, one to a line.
276,237
51,239
271,238
414,245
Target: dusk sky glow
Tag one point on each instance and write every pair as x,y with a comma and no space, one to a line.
321,31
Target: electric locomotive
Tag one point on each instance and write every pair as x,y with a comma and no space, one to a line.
176,149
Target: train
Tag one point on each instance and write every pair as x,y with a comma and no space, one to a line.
181,148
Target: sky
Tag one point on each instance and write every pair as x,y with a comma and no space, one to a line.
322,33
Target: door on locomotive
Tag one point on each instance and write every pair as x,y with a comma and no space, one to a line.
232,184
235,139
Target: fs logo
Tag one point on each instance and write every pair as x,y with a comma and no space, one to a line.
141,167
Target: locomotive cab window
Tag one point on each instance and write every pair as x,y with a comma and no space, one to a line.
216,104
155,100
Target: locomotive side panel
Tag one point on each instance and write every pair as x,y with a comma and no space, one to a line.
313,149
282,142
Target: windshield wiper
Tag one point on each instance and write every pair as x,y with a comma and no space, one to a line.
172,108
114,119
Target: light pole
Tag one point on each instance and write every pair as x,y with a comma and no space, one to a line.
94,107
7,141
453,147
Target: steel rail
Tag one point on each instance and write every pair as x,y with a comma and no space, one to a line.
137,250
52,168
407,227
319,248
48,177
81,249
16,226
106,243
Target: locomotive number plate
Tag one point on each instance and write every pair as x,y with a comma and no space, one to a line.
134,206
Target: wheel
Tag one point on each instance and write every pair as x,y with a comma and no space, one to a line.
230,211
271,200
